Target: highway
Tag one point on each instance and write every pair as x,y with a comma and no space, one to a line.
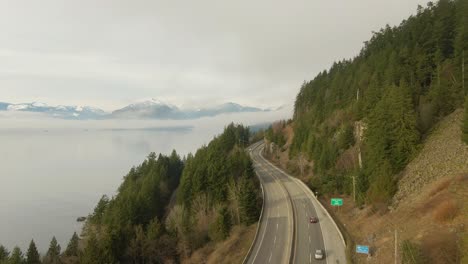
285,234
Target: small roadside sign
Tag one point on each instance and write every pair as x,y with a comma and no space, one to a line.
337,202
362,249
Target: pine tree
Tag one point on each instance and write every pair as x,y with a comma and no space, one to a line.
221,228
53,254
154,229
16,257
136,250
32,256
72,247
465,123
4,254
91,251
248,201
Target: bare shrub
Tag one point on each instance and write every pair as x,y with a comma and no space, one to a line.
462,177
446,210
348,160
440,247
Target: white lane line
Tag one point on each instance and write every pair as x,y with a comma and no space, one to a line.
265,228
285,195
310,257
269,259
309,239
276,226
274,242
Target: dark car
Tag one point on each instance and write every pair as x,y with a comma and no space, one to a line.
313,219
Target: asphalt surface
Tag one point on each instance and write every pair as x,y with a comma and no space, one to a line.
274,238
285,234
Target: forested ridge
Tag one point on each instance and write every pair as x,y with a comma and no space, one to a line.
403,81
140,224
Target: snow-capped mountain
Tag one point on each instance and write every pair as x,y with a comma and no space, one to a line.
148,109
61,111
155,109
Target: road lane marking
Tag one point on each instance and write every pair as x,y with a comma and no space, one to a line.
264,230
309,239
274,242
269,259
310,257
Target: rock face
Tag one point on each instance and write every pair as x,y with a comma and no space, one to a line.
443,154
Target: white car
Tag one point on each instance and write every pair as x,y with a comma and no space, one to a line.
318,254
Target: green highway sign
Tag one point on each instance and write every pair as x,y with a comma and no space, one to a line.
337,202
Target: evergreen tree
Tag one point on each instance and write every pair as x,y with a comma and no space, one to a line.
248,201
91,252
53,254
16,257
99,209
465,123
72,247
4,254
32,256
154,230
222,226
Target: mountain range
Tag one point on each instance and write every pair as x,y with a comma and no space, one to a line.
149,109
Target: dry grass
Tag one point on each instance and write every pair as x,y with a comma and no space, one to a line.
441,247
444,184
462,177
447,210
232,250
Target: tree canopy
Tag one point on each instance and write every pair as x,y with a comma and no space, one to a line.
402,82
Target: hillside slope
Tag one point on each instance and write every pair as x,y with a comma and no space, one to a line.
430,212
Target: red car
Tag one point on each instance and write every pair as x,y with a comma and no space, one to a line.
313,219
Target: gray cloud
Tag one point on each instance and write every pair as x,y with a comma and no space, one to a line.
111,52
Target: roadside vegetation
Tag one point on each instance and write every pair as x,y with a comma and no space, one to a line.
384,127
404,80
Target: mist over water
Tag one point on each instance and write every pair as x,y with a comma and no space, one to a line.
53,171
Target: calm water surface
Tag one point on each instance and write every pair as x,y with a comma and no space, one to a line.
53,171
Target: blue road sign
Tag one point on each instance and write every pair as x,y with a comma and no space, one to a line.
362,249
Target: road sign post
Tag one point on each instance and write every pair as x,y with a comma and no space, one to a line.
336,202
362,249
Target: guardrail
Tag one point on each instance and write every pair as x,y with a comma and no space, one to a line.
323,208
346,239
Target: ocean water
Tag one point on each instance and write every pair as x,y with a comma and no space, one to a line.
53,171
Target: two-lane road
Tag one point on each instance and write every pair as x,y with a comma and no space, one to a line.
288,195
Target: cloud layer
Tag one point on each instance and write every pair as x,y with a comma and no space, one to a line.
112,52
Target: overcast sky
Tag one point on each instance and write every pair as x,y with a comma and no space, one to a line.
109,53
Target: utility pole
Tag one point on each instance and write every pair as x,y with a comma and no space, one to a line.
396,246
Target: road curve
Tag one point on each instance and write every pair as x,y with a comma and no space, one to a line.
275,234
285,234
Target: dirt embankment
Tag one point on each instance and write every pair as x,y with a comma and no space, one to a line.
429,213
230,251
